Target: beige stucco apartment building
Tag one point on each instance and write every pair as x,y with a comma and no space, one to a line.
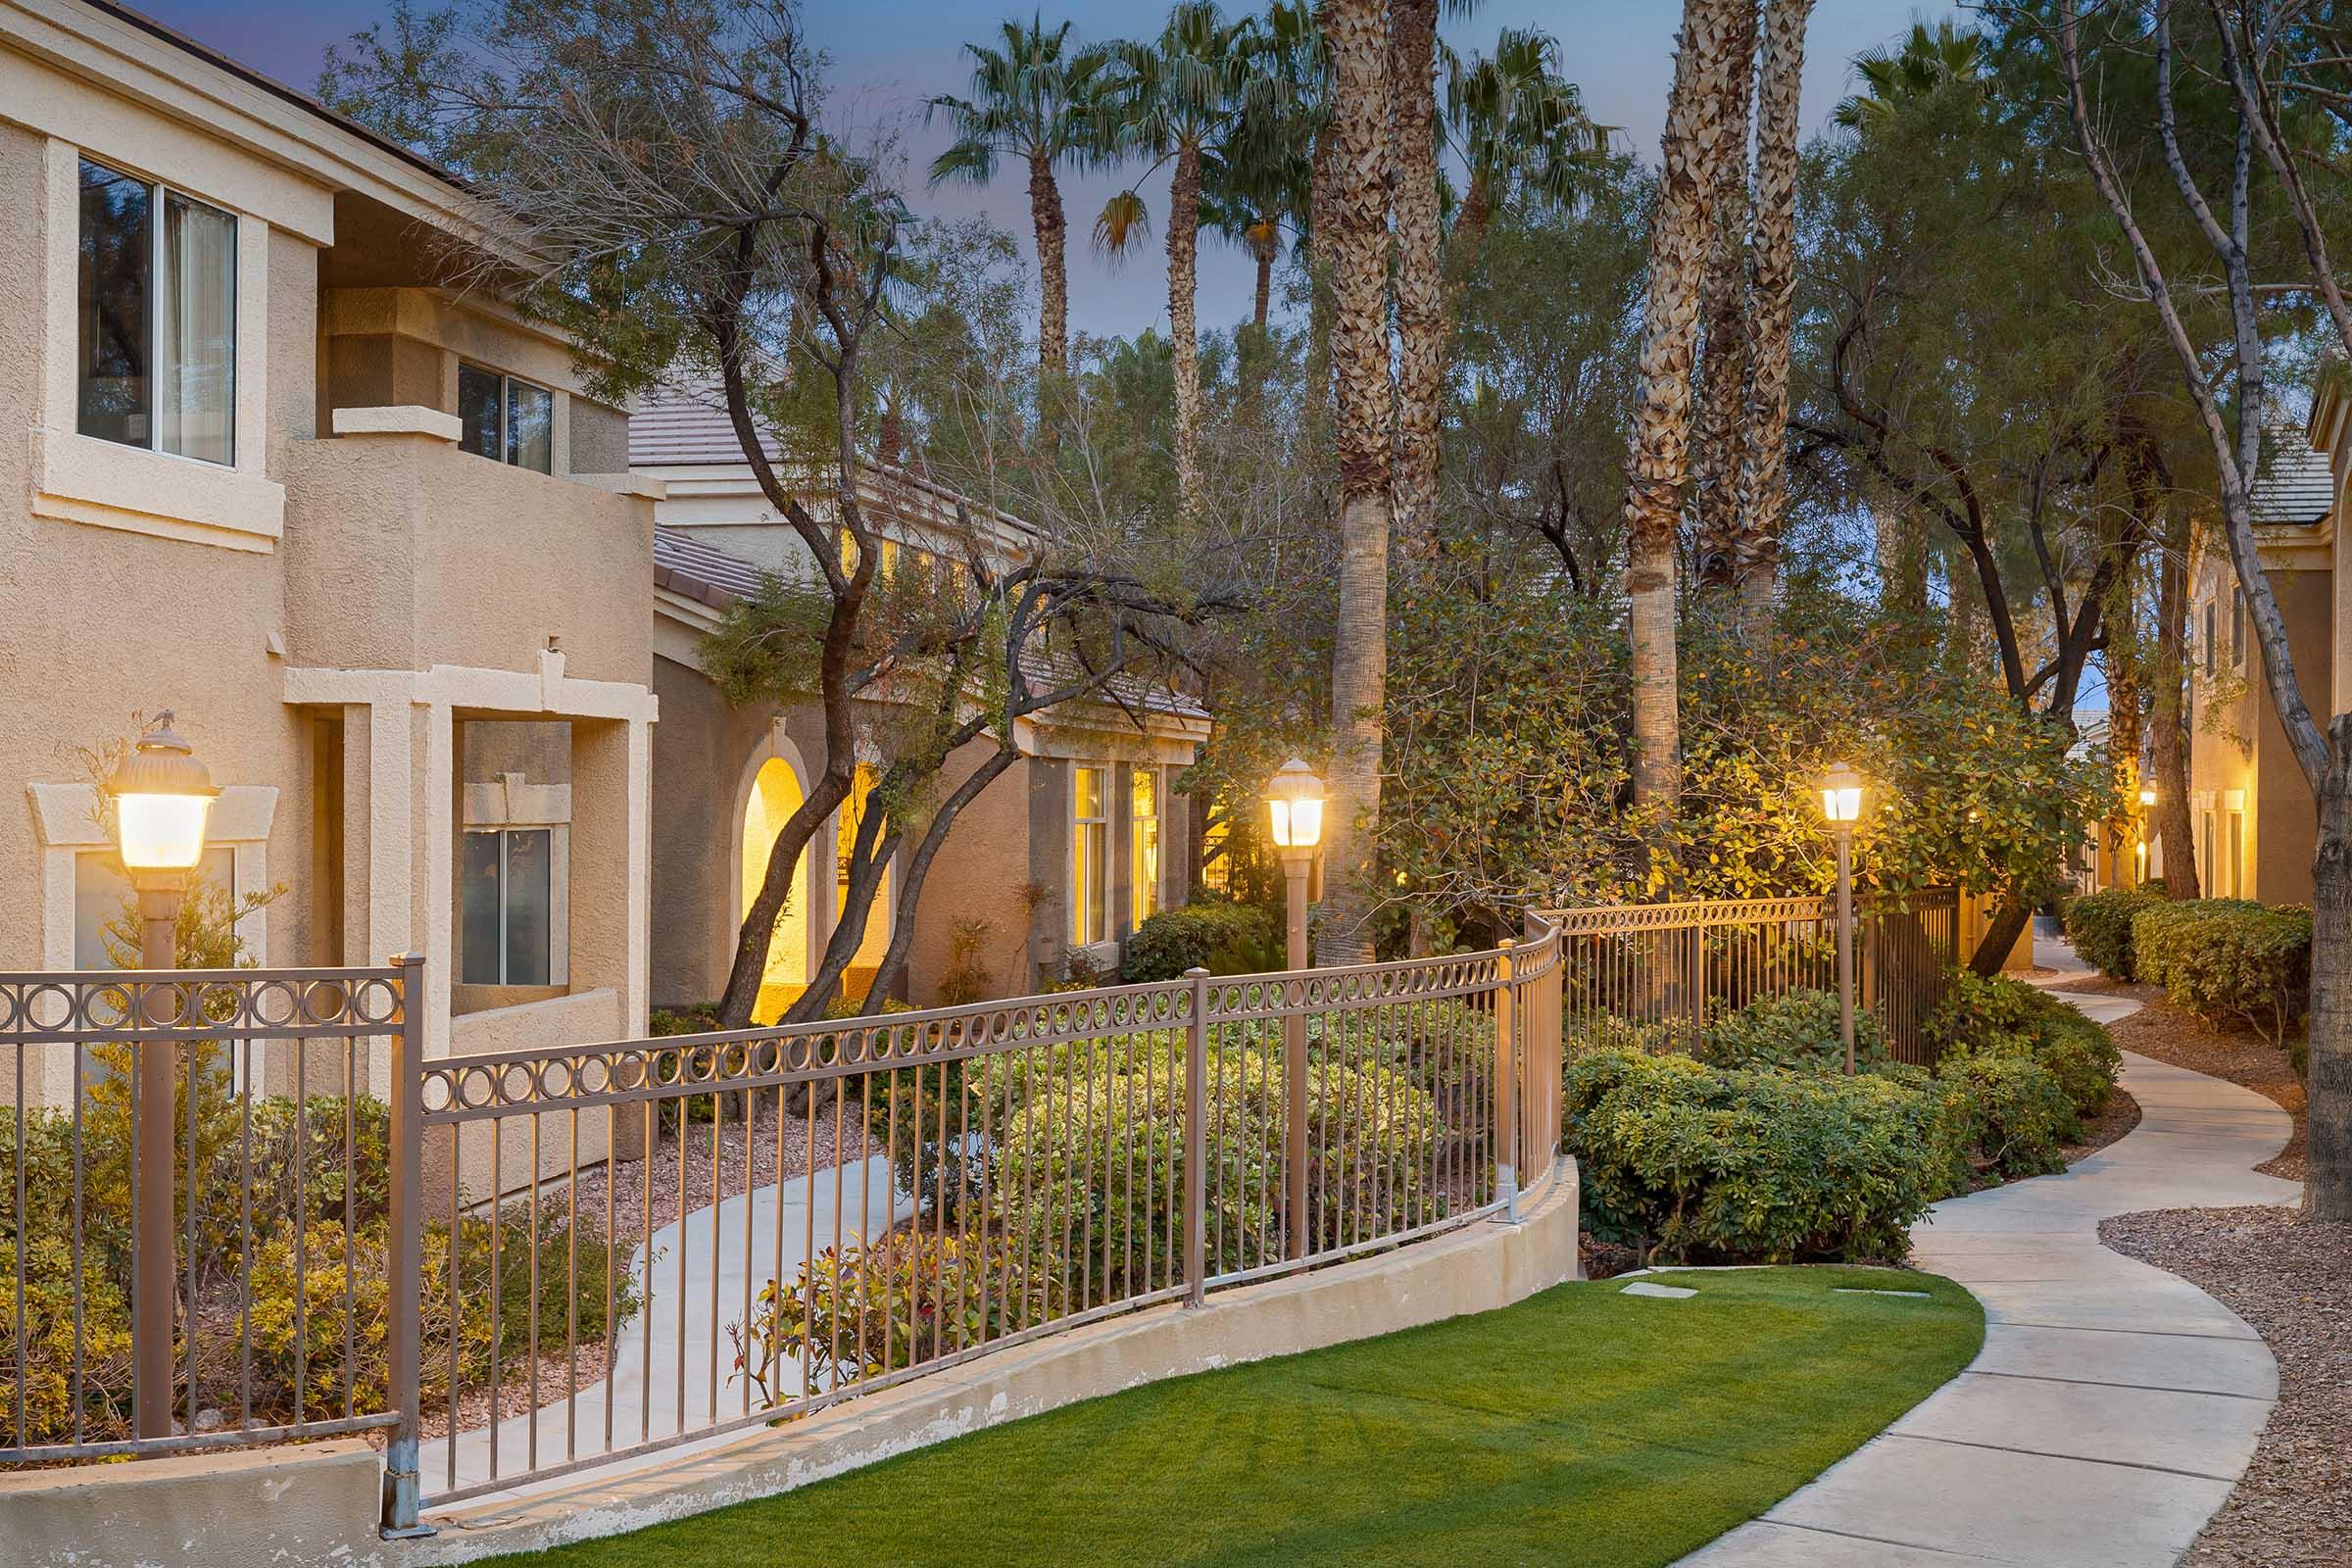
2251,813
367,537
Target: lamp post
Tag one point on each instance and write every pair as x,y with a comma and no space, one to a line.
2148,804
1295,814
1840,806
161,795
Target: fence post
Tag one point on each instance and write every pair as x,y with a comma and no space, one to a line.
404,1245
1506,1089
1196,1143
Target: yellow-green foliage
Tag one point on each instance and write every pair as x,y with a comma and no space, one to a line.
2099,925
2229,960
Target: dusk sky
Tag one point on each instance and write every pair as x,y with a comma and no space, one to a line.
890,55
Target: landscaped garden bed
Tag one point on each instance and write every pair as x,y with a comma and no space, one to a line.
1582,1426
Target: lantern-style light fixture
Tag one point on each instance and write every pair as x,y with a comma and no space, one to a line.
1842,794
1294,807
161,795
2148,795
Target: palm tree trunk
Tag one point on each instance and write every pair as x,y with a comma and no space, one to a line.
1772,285
1355,244
1718,442
1420,276
1470,222
2168,750
1184,241
2124,669
1053,288
1659,460
1266,287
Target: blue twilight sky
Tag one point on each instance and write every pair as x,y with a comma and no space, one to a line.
889,55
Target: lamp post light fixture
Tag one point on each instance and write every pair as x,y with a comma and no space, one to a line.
1295,814
161,795
2148,804
1842,807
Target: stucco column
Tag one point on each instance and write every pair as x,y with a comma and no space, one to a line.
612,838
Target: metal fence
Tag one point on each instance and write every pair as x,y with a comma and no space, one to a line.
1659,976
225,1284
645,1244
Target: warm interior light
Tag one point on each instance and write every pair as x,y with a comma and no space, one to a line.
1842,794
2147,797
162,797
1294,807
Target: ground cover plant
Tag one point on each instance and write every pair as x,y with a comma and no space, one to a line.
1581,1427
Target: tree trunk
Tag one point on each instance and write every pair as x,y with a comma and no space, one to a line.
1264,257
1658,460
1470,222
2168,745
1717,441
1992,949
1184,236
2329,1075
1420,277
2124,669
1772,286
1053,288
1357,250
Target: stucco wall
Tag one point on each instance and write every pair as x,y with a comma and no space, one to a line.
600,437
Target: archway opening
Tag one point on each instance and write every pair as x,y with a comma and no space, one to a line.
775,794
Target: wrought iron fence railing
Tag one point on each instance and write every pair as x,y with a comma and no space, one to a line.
1659,976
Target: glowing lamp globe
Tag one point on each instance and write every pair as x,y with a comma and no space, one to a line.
1294,807
162,797
1842,794
2147,797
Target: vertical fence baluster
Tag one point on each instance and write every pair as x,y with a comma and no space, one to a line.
404,1242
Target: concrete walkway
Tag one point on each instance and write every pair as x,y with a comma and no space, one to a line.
2113,1406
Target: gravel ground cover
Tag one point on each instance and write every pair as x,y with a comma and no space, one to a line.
2292,1279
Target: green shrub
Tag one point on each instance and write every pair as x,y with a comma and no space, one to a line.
1091,1165
1998,1016
1694,1162
1221,938
2099,925
2231,960
1798,1030
2013,1110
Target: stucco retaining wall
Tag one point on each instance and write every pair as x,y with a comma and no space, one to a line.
318,1504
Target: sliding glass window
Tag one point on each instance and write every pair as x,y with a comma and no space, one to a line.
158,312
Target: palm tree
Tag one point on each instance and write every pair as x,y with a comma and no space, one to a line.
1763,472
1353,239
1932,60
1717,442
1518,126
1035,100
1421,327
1657,462
1180,97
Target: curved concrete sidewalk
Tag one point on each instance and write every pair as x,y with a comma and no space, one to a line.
2113,1406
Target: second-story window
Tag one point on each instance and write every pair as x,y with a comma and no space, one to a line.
157,302
506,420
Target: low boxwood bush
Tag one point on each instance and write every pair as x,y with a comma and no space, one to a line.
1692,1163
1221,938
1798,1030
1998,1016
2229,960
2099,925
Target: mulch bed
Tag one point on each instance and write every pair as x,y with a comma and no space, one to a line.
2292,1279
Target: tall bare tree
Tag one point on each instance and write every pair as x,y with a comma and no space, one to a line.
1657,462
1355,243
1772,290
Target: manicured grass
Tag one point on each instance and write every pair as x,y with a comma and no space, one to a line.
1581,1426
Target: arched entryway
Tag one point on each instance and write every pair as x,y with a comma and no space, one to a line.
776,794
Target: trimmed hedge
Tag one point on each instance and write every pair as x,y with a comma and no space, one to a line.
1688,1161
2099,925
1221,938
1798,1030
2229,960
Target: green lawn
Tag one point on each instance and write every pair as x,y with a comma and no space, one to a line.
1581,1426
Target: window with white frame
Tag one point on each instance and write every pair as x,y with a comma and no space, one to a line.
506,420
157,309
2238,628
1143,827
507,907
1090,856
